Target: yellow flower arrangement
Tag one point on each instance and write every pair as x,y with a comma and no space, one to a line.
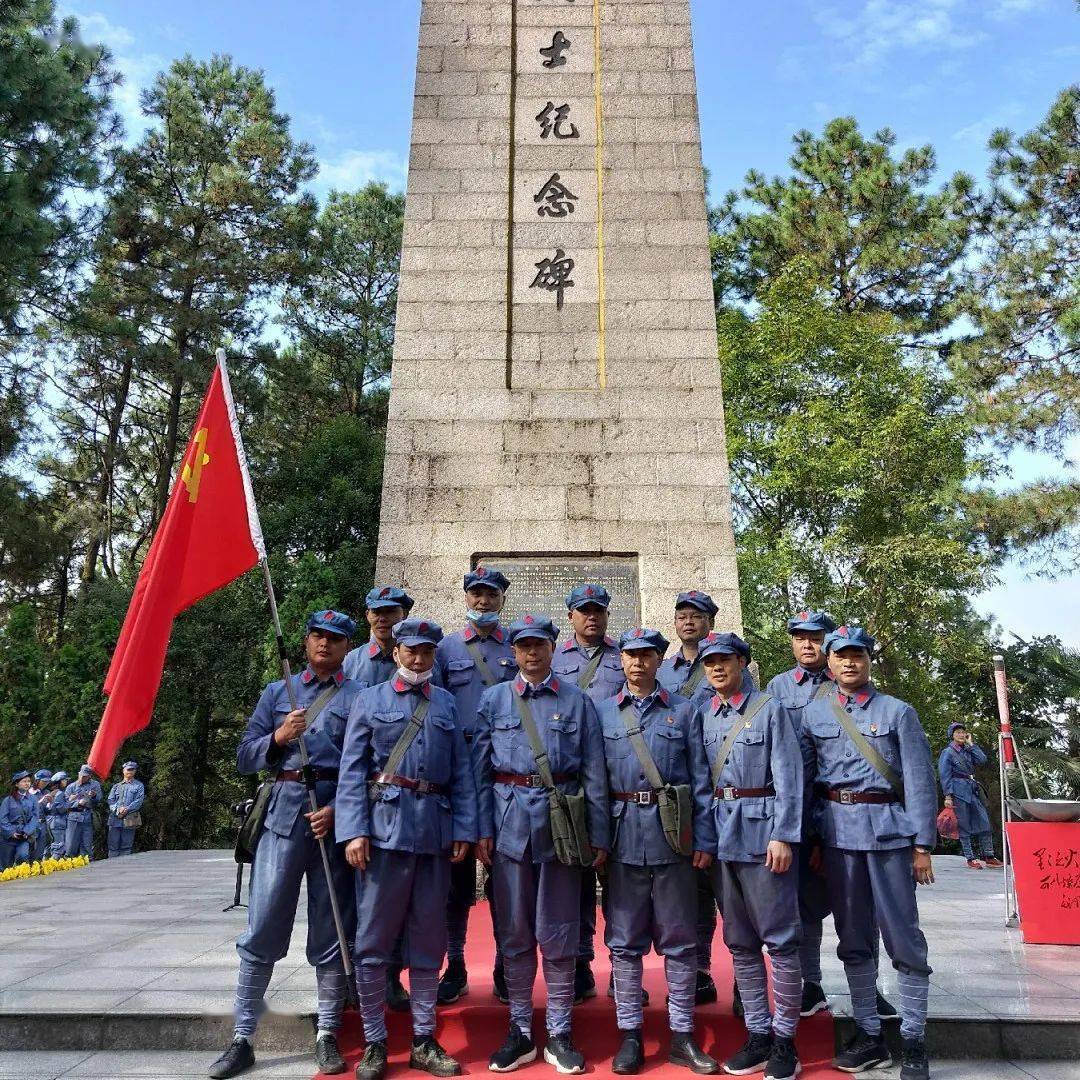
43,868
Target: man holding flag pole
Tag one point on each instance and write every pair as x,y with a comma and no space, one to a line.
208,536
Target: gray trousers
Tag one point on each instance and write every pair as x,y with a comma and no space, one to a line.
886,878
80,839
121,841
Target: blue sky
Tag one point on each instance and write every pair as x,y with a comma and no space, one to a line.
946,72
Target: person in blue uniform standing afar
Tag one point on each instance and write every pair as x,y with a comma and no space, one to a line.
875,810
288,853
125,806
964,794
406,810
81,799
19,822
467,662
537,896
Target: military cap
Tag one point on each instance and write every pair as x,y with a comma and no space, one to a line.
85,770
131,764
386,596
43,774
58,776
850,637
533,626
697,599
585,593
723,644
21,775
417,632
812,621
483,576
332,622
643,638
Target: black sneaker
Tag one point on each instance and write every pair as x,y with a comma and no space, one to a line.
783,1061
864,1051
584,983
518,1050
753,1057
560,1052
686,1052
611,991
736,1002
631,1056
913,1063
704,989
328,1056
454,984
813,999
428,1056
373,1064
885,1009
397,997
238,1057
498,984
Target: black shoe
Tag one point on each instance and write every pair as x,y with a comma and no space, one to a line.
584,983
397,997
328,1056
498,981
373,1064
631,1056
611,991
783,1061
753,1057
454,984
865,1051
704,989
238,1057
518,1050
813,999
428,1056
736,1002
885,1009
913,1063
560,1052
686,1052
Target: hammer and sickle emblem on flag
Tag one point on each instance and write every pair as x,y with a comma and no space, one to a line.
192,472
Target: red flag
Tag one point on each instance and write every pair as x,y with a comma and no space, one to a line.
209,535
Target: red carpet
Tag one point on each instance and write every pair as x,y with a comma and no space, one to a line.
475,1027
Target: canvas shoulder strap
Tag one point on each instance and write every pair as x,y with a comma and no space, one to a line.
868,752
736,730
481,664
641,748
408,736
539,751
824,690
591,668
687,689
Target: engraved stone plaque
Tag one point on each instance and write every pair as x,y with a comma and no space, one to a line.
539,584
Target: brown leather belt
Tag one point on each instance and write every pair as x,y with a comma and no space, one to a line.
642,798
421,787
532,780
851,798
730,794
296,776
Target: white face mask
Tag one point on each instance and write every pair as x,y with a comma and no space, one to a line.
415,678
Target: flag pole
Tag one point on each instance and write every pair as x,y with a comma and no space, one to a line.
309,784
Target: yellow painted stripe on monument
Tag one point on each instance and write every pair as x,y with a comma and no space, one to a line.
601,357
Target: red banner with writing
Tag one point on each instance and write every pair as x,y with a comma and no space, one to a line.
1046,860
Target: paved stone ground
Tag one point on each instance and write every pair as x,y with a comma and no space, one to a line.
146,936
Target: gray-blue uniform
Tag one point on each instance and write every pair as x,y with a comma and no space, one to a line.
19,824
81,799
652,896
956,768
368,665
57,817
758,799
128,795
599,673
412,818
43,797
869,835
287,851
537,898
457,670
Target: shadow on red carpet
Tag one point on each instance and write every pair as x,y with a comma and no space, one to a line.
473,1028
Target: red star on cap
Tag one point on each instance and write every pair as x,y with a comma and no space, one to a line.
481,572
639,633
384,593
588,590
423,628
529,619
843,631
803,616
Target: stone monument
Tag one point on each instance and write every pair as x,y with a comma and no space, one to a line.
556,408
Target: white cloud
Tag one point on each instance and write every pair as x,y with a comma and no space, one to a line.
979,131
97,28
1007,9
352,169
